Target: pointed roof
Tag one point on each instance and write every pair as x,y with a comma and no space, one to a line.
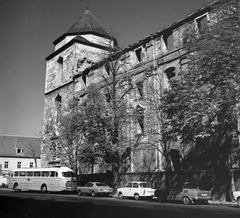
86,24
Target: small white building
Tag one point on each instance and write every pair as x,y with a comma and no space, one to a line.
19,152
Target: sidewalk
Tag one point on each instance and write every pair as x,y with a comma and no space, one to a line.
221,203
210,202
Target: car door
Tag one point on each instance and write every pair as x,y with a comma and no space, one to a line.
176,193
135,189
85,189
128,190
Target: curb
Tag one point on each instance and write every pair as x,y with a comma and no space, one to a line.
210,202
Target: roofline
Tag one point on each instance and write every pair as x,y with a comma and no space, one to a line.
80,33
21,136
67,45
21,157
172,26
150,37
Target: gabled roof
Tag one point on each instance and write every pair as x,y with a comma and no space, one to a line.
86,24
30,146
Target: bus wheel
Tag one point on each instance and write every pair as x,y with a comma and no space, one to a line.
44,188
15,187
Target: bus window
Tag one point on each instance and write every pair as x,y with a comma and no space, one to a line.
29,173
45,173
37,173
68,174
16,173
52,174
22,173
11,174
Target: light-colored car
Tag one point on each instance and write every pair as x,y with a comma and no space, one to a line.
136,189
94,189
236,197
187,193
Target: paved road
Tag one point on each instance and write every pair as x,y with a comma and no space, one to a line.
37,205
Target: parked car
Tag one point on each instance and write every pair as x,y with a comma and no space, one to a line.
236,197
187,193
136,189
94,189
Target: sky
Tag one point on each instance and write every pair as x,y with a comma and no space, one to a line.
28,28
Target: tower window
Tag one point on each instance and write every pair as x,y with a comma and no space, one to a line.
58,104
60,60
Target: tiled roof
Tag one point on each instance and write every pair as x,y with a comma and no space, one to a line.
87,23
27,146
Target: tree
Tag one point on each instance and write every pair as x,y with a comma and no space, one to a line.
202,104
66,136
107,109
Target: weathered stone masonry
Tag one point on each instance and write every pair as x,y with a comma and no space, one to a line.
70,69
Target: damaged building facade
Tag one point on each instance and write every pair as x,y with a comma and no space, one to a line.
150,63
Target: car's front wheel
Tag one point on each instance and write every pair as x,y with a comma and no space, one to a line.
93,194
238,201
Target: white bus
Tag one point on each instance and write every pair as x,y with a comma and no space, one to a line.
43,179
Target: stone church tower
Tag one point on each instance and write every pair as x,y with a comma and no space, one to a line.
84,44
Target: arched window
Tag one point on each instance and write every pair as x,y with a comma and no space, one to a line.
170,72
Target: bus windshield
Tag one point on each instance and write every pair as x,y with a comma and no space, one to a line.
68,174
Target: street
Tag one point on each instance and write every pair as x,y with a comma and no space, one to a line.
37,205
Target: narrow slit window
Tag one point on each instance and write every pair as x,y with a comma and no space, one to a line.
140,88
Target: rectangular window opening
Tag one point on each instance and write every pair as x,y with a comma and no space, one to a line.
168,40
6,164
202,23
18,164
19,150
139,54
